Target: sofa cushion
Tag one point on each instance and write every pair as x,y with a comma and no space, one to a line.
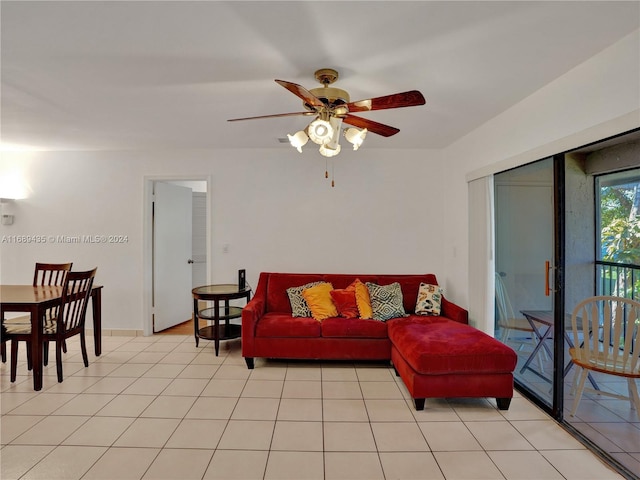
410,285
353,328
345,301
284,325
429,299
319,300
277,284
386,301
436,346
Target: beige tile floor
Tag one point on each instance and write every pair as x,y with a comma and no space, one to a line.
608,422
160,408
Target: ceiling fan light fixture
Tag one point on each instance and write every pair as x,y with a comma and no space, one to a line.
328,151
332,107
298,140
355,136
320,131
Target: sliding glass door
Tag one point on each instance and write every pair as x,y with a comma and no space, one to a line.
527,280
566,229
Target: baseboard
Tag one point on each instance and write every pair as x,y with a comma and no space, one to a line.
118,333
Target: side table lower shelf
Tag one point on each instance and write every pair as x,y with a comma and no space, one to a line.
221,325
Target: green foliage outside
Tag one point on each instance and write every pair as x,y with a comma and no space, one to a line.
620,237
620,223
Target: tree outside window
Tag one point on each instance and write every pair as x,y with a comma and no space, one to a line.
620,222
619,226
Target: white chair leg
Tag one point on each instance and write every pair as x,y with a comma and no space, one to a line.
583,376
633,395
574,382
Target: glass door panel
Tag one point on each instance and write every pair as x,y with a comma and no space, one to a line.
524,238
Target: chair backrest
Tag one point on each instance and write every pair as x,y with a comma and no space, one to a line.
505,309
611,333
51,273
75,296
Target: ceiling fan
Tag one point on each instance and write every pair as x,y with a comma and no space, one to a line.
332,106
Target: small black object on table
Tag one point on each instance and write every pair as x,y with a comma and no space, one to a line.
217,313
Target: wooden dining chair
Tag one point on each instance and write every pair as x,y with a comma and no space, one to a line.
49,274
606,337
69,321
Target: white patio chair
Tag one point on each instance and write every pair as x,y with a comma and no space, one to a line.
610,344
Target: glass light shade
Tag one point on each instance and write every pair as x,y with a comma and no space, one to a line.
355,136
334,143
327,151
298,140
320,131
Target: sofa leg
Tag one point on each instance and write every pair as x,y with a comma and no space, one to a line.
503,403
249,361
419,402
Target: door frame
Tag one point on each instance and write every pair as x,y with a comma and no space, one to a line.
147,240
559,228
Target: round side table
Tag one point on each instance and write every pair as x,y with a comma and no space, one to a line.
216,294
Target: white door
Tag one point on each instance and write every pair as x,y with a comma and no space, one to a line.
172,219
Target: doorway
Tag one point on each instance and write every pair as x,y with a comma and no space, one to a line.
176,248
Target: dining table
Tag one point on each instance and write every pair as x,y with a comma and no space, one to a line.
36,300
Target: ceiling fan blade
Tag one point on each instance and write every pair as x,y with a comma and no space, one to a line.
411,98
272,116
375,127
308,97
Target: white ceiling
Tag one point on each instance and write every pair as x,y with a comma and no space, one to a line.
161,75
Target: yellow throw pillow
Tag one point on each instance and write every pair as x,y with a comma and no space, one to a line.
363,300
319,300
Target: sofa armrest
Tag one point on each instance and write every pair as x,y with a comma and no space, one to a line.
454,312
251,314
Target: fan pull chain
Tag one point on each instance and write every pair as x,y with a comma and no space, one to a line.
333,184
326,168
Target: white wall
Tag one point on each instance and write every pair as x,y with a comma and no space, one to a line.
274,209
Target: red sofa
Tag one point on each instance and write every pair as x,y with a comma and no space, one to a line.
468,362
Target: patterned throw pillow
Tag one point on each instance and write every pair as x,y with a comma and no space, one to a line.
386,301
429,298
299,307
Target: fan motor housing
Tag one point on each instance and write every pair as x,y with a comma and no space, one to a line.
331,95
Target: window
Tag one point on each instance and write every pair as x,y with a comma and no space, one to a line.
618,221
